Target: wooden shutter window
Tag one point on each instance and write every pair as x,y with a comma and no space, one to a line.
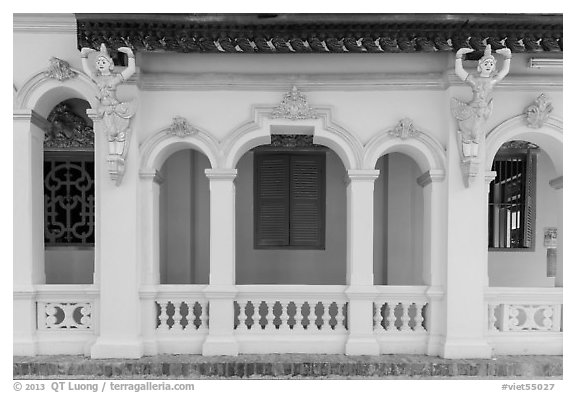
530,199
289,200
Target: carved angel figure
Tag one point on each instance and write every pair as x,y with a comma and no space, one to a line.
472,115
116,115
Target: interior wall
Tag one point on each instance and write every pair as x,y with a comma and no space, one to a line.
184,219
528,268
405,220
381,223
65,265
312,267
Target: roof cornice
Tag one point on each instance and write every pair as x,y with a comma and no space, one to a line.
321,33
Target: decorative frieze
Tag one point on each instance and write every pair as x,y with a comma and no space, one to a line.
291,140
180,127
294,106
404,129
59,69
539,111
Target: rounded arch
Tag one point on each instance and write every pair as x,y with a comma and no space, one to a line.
162,144
325,132
548,137
428,153
42,93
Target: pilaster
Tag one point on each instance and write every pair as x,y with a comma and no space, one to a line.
557,185
28,228
221,291
466,262
360,265
117,270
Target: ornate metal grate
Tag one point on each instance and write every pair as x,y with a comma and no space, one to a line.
68,199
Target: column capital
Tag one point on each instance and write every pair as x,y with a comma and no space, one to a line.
152,174
221,174
31,116
557,183
93,114
433,175
489,176
363,174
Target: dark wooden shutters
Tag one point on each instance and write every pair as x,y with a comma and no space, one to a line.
289,200
530,199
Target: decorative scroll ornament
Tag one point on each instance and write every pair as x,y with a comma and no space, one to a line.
116,115
294,106
404,129
538,112
180,127
60,69
68,130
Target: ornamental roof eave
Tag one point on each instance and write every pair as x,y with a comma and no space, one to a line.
321,33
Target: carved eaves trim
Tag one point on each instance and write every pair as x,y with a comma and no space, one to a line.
322,33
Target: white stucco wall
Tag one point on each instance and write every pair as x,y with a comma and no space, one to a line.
528,268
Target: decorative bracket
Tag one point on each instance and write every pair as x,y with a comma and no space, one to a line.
539,111
294,106
60,70
181,127
470,170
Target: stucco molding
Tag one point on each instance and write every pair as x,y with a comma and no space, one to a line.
35,90
161,144
277,82
44,23
427,151
557,183
431,176
515,127
517,82
257,131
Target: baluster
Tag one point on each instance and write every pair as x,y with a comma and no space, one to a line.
405,318
513,313
298,317
190,317
530,322
242,316
86,316
68,309
203,316
256,326
378,318
391,318
418,317
177,316
284,316
270,315
163,316
49,318
547,314
326,316
492,317
340,317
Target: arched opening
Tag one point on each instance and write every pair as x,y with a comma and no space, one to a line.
184,219
524,216
69,214
398,222
291,214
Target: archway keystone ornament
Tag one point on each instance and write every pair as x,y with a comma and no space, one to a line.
180,127
405,129
60,70
294,106
539,111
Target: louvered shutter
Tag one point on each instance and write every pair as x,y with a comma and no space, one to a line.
307,200
530,199
271,200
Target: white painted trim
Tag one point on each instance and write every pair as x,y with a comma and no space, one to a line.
523,295
543,62
44,23
426,150
518,82
526,343
430,176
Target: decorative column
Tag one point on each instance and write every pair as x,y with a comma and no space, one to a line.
466,262
557,184
150,226
117,265
222,290
434,269
28,226
360,265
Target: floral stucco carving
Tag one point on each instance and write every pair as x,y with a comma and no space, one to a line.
180,127
404,129
294,106
59,69
539,111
